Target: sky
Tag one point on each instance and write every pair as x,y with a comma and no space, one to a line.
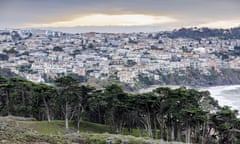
163,14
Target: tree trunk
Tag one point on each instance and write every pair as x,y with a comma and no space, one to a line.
160,121
78,125
172,133
23,99
162,129
155,128
8,102
148,125
99,114
66,117
204,134
47,110
80,111
188,134
178,134
167,134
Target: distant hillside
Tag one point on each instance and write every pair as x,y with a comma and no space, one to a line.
198,33
195,78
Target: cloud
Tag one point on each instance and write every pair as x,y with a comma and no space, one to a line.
110,20
222,24
19,13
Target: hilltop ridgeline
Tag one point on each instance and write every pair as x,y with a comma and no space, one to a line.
199,33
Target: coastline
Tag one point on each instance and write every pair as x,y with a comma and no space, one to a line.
226,95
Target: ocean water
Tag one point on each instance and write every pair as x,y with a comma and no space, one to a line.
226,95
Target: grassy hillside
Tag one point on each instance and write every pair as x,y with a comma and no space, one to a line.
57,127
36,132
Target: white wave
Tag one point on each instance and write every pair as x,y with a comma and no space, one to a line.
226,95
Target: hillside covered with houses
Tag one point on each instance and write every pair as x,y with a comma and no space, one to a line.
196,56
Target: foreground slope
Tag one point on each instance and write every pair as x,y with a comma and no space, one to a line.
18,130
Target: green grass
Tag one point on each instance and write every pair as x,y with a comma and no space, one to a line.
94,127
100,128
93,132
43,127
57,127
